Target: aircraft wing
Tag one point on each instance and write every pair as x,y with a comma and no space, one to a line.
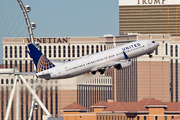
117,64
24,73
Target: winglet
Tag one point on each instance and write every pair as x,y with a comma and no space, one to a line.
41,62
125,55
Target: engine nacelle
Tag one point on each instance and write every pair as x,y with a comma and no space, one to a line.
123,64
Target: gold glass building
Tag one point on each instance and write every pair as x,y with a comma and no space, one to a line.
149,17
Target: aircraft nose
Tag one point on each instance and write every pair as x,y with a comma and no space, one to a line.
157,44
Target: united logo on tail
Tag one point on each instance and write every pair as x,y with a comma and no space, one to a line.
41,62
44,64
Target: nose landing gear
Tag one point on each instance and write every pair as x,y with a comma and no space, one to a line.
150,56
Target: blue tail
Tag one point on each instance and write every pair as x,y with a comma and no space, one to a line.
41,62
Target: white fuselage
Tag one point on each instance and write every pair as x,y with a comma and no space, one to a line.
97,61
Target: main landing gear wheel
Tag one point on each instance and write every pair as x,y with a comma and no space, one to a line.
102,71
94,72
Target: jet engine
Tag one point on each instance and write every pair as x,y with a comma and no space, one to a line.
123,64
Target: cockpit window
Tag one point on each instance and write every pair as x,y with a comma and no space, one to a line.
153,42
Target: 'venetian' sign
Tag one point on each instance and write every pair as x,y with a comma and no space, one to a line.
49,40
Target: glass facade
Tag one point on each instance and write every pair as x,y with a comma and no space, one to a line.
149,19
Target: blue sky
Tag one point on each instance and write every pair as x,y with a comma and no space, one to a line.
72,18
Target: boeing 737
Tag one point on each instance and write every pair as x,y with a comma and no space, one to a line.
118,57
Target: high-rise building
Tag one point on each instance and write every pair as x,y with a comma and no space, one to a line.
149,16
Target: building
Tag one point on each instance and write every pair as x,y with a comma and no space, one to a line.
55,94
155,77
149,17
145,109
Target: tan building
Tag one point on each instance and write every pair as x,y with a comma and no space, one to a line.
155,77
145,109
149,16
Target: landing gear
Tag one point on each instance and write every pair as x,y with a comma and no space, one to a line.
94,72
102,71
150,56
118,67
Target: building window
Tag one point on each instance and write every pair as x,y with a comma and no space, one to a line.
15,64
73,51
87,50
54,51
20,66
20,51
46,97
172,117
11,64
44,50
104,47
26,66
156,51
171,89
138,118
51,100
97,48
166,49
26,52
31,66
6,64
6,51
56,100
92,49
101,48
64,51
7,81
49,51
176,80
165,117
171,51
78,51
176,51
156,117
15,52
2,81
83,50
2,103
12,81
10,51
69,51
40,48
22,109
59,51
144,117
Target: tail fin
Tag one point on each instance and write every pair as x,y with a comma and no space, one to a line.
41,62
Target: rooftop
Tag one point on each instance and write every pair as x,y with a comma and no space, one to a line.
129,107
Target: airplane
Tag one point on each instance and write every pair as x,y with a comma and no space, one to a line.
118,57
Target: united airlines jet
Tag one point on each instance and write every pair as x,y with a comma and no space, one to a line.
118,57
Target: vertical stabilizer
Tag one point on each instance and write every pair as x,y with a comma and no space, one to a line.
41,62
